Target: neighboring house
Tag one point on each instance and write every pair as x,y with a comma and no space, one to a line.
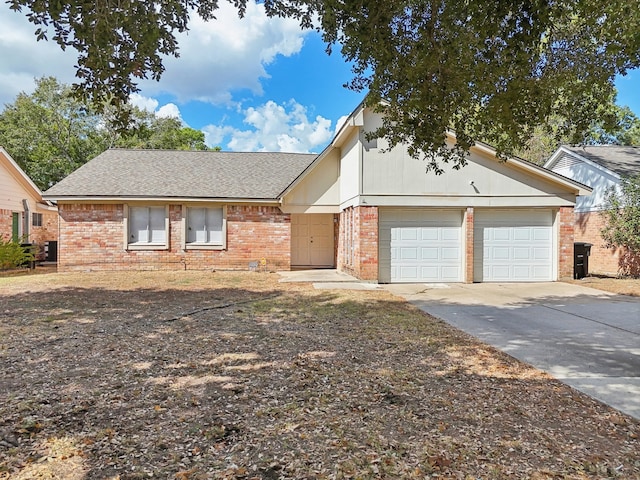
368,211
24,215
601,168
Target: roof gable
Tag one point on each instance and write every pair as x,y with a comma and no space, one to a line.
13,169
622,161
120,173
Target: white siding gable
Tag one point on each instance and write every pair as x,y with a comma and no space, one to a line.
595,176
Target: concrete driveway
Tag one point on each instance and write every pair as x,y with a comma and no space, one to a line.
584,337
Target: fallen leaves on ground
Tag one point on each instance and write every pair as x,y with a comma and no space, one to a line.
200,375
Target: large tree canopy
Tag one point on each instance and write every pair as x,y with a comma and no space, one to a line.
50,133
489,69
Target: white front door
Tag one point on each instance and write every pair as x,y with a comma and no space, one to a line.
312,240
513,246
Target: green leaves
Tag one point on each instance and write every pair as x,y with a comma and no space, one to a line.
51,133
492,70
622,216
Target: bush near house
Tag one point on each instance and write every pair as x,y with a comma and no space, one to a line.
13,255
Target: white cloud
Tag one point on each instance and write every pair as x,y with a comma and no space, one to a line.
143,103
218,57
23,58
170,110
226,54
151,105
273,128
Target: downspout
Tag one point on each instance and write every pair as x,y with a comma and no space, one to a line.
26,230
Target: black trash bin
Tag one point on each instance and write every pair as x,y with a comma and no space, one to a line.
581,252
51,251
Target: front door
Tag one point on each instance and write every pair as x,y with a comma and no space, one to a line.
15,227
312,240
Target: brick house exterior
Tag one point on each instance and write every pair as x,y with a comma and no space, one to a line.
24,215
361,208
601,168
93,236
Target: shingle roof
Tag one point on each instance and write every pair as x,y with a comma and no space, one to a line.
183,174
625,161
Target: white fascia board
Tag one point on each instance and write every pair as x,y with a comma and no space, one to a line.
63,199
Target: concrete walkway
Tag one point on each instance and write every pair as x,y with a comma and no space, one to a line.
587,338
327,279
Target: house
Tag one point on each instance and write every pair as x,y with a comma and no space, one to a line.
601,168
358,207
24,215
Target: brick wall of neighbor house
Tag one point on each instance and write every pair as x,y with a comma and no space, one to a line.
358,249
48,231
6,223
92,238
603,260
565,242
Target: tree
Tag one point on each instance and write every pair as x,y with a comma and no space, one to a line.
615,126
490,69
622,223
148,131
50,133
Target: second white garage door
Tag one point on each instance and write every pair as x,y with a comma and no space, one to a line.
513,246
420,245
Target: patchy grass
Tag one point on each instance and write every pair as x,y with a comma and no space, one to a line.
620,285
193,375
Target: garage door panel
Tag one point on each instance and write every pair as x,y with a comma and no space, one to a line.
520,234
513,246
451,254
429,254
451,234
407,253
541,234
408,234
425,245
522,253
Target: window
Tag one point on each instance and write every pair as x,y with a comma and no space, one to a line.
205,227
147,227
36,219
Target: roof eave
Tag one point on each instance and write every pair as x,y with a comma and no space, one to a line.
133,198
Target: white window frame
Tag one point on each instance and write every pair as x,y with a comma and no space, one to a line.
186,245
128,245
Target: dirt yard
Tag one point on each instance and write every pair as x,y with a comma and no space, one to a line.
236,376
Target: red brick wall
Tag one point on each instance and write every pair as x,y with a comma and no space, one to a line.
603,260
363,222
469,225
38,235
6,222
92,238
565,242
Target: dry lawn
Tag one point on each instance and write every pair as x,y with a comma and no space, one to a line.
235,376
623,285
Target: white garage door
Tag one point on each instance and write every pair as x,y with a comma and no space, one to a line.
513,246
420,245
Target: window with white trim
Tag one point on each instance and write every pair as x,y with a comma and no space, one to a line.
36,219
205,227
147,227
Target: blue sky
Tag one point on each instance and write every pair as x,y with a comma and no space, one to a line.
251,84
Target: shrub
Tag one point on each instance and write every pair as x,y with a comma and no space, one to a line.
13,255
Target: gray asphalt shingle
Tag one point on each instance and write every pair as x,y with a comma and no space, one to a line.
184,174
624,161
